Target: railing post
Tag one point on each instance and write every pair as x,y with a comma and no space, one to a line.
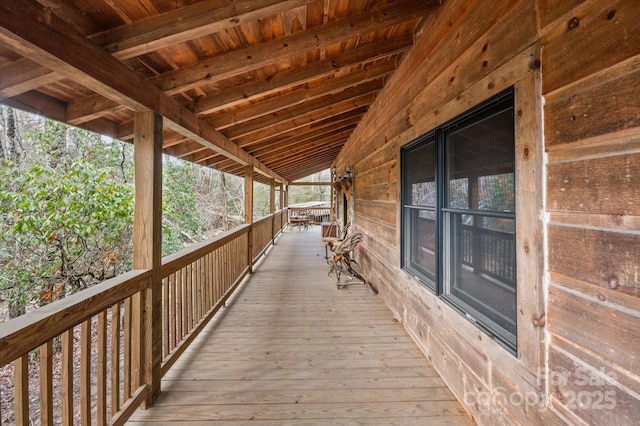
476,241
248,212
147,246
272,207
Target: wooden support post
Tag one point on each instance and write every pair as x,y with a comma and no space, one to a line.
476,242
281,195
248,212
272,196
147,252
286,196
272,206
332,198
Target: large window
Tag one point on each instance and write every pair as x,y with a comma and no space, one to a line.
458,194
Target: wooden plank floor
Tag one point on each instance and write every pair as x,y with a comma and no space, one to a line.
291,349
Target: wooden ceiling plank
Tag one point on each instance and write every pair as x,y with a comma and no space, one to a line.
300,95
185,149
311,170
315,116
283,148
328,155
187,23
102,126
305,136
303,152
33,32
251,58
313,165
22,76
168,142
294,77
309,130
201,156
39,104
304,109
93,106
89,108
150,34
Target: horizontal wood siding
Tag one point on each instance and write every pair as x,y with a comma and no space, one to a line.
592,133
583,226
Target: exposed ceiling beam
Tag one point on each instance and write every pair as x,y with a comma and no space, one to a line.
300,95
304,136
186,23
297,76
152,33
312,110
306,151
23,76
309,130
253,57
33,32
95,105
282,149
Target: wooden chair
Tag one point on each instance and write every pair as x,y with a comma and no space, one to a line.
341,261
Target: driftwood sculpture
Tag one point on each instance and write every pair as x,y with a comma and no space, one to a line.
341,261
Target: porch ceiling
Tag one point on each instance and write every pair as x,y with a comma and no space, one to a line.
277,84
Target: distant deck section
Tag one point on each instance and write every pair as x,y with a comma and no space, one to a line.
291,349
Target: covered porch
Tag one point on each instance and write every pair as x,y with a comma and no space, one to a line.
289,348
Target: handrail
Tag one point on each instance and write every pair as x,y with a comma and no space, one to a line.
29,331
172,262
196,282
315,214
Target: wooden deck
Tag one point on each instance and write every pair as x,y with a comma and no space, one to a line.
291,349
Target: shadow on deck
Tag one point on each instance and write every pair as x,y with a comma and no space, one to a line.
292,349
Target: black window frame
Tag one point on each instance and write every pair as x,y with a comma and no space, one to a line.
506,336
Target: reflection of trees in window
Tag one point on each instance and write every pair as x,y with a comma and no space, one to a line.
423,194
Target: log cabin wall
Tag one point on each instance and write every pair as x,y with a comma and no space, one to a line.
575,69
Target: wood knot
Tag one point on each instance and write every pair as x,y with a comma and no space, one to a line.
535,64
573,24
613,282
539,321
611,14
526,155
602,297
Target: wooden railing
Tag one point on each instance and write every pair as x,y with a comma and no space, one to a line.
490,252
315,214
100,330
103,320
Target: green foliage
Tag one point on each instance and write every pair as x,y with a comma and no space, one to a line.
66,211
67,227
181,222
261,194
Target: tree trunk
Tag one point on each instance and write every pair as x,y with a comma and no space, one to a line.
58,143
2,137
13,141
225,206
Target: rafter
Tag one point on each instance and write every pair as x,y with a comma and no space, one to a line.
32,32
306,133
311,109
300,95
287,147
253,57
301,75
96,105
187,23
